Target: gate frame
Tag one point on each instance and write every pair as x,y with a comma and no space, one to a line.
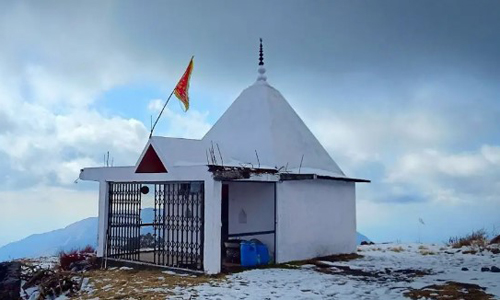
157,251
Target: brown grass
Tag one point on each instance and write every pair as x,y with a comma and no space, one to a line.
450,290
143,284
476,238
397,249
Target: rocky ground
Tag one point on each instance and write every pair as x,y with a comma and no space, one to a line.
381,271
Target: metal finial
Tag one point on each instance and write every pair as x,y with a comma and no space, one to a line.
262,71
261,55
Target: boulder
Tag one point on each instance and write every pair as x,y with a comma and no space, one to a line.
495,269
465,269
10,280
485,269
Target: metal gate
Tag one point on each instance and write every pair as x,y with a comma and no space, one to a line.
176,236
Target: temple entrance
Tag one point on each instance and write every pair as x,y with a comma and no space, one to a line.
248,214
156,223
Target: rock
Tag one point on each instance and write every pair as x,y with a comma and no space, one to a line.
485,269
10,280
495,240
363,243
82,265
494,269
495,250
465,269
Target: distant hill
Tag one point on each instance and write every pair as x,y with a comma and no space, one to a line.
73,236
360,238
76,235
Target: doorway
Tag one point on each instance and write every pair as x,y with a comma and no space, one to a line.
156,223
248,213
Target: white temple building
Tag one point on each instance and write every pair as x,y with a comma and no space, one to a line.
258,173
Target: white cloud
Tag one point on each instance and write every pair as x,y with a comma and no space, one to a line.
451,177
491,154
55,62
358,138
156,105
191,124
428,162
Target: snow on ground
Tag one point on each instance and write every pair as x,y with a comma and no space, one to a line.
386,261
383,272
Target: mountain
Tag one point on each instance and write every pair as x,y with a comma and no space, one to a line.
74,236
360,238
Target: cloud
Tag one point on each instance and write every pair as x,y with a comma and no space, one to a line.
156,105
471,177
364,137
413,107
192,124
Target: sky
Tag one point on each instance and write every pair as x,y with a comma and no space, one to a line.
404,93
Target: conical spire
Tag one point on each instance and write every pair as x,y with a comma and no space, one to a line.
262,70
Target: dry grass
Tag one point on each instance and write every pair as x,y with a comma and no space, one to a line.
422,247
397,249
450,290
427,252
143,284
476,238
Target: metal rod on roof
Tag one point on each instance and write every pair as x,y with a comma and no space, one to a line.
300,166
165,105
258,160
220,154
212,153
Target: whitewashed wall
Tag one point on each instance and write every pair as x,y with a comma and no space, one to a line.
315,218
102,217
211,255
212,238
256,200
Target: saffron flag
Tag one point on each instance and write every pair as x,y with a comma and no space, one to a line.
181,90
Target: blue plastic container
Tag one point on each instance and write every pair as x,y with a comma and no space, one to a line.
262,254
248,254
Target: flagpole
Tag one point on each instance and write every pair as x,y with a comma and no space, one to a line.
184,84
154,125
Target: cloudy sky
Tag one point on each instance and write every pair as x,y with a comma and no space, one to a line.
405,93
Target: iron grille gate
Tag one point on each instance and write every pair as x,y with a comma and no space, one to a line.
178,219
